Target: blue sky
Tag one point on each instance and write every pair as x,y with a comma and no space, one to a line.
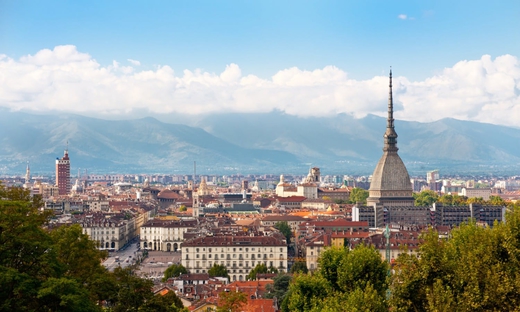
361,39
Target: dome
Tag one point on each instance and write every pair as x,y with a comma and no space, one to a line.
390,175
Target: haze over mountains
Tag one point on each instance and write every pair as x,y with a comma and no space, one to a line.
249,143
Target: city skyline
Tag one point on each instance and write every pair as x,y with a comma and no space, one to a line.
184,59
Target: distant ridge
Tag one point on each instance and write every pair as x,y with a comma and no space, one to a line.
248,143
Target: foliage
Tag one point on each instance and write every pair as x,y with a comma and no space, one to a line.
341,201
358,195
60,269
182,208
163,303
231,301
299,267
279,288
218,270
174,270
260,268
425,198
345,281
476,269
285,229
306,293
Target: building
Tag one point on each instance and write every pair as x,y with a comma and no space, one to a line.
165,235
63,174
239,254
390,185
485,193
455,215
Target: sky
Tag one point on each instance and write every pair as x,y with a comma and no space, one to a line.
128,59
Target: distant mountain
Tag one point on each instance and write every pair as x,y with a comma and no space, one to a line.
249,143
143,145
325,141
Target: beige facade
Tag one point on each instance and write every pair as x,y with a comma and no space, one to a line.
239,254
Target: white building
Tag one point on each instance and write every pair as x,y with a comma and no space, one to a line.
165,235
239,254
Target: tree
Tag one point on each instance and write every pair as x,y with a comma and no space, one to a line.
183,208
168,302
361,267
358,195
218,270
285,229
299,267
306,293
64,294
174,270
279,288
132,291
231,301
496,201
329,265
425,198
476,269
260,269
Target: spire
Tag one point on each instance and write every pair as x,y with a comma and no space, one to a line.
390,134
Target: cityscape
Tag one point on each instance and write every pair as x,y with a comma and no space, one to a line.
142,186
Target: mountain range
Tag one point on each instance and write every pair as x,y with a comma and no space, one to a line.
249,143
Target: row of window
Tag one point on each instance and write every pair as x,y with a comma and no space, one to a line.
234,249
234,256
234,265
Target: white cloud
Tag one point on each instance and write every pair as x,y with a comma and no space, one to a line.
64,79
134,62
402,16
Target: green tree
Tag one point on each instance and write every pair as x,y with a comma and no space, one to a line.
26,256
64,294
299,267
329,265
476,269
182,208
231,301
285,229
218,270
358,195
360,267
496,201
174,270
425,198
163,303
260,268
279,288
306,293
132,291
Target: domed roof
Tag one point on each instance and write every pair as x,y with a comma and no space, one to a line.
390,174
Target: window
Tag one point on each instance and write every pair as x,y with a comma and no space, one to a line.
281,249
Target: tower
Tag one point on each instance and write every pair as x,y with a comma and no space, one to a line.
63,174
390,185
27,173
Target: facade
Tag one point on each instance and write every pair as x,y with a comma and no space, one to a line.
239,254
63,174
111,233
390,185
405,215
375,216
292,221
455,215
165,235
485,193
